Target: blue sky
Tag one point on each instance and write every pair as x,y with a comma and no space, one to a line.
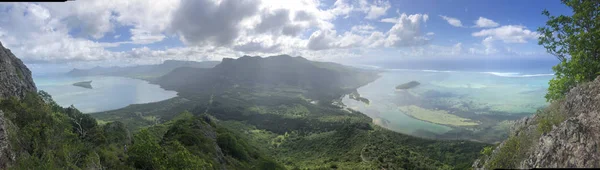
87,33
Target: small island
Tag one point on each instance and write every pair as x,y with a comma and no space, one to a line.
408,85
355,96
84,84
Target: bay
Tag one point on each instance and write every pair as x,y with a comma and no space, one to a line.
108,93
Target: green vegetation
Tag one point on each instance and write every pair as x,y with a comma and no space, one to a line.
573,40
298,134
19,73
228,122
44,135
516,147
355,96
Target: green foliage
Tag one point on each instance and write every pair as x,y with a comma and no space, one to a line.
45,135
516,147
573,40
230,145
146,153
116,132
487,151
549,117
181,158
512,152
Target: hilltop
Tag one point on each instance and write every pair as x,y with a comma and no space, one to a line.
145,72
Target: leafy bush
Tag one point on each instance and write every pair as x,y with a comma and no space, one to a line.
573,40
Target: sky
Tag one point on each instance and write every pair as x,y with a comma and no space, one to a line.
87,33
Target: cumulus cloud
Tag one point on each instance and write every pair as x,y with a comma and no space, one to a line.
213,29
377,9
202,22
407,31
452,21
322,39
485,23
278,22
508,34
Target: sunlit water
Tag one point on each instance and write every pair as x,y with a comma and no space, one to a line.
506,93
108,93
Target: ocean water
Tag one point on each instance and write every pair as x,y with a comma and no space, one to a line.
510,94
108,93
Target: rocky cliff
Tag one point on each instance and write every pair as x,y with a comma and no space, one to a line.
564,135
15,80
15,77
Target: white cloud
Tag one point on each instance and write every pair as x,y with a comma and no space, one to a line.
322,39
485,23
389,20
377,9
407,31
69,32
362,29
139,36
452,21
508,34
205,22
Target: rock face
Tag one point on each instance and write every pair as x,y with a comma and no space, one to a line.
15,80
6,155
573,143
15,77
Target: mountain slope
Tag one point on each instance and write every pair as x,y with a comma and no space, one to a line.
37,133
15,77
15,83
566,134
316,80
147,72
269,103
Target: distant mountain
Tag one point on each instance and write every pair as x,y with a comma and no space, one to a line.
316,80
146,72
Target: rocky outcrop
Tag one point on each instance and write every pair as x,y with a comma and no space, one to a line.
6,155
15,77
572,143
15,80
575,142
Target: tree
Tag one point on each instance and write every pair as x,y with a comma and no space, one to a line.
574,40
146,153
